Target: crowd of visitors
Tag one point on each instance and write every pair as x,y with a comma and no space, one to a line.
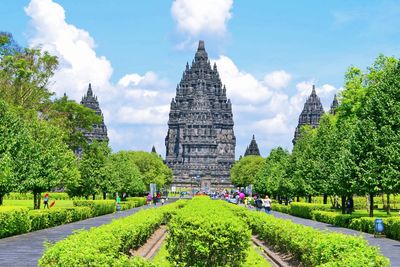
240,198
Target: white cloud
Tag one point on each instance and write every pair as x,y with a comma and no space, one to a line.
134,99
242,87
274,126
277,79
195,17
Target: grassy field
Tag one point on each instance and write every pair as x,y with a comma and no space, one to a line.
253,258
29,203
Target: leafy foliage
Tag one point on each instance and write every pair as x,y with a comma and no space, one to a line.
243,172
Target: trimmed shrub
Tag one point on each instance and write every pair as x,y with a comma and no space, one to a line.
392,227
281,208
313,247
304,209
41,219
342,220
29,196
140,200
13,221
99,207
108,245
207,233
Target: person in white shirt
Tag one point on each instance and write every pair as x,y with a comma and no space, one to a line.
267,204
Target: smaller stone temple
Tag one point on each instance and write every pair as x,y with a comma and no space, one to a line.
252,149
334,105
99,131
311,113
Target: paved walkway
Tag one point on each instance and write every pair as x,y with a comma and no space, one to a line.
389,248
27,249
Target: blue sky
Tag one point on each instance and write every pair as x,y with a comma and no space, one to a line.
268,53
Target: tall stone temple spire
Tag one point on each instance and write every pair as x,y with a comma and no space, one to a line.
334,105
311,113
252,149
200,143
99,131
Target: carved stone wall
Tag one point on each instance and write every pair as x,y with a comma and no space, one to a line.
200,141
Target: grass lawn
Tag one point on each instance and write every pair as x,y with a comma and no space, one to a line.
253,257
29,203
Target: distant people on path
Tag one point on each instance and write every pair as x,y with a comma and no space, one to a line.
267,204
149,198
258,202
118,203
46,201
155,200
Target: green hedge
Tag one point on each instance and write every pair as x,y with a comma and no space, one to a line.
108,245
310,246
342,220
304,210
99,207
281,208
207,233
140,200
41,219
14,221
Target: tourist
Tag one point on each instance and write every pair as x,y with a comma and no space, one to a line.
118,203
149,198
155,200
162,201
46,201
267,204
258,202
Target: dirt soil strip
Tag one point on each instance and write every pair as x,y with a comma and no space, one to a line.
271,256
153,244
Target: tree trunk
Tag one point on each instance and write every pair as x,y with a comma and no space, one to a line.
39,200
35,201
94,196
104,195
371,205
343,204
286,201
383,201
297,199
387,203
86,197
1,199
325,199
309,199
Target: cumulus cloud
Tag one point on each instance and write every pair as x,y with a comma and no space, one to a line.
194,17
134,99
277,79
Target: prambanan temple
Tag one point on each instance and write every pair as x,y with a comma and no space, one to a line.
252,149
312,112
200,143
99,131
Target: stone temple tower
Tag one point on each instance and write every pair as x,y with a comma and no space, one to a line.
99,131
200,143
252,149
311,113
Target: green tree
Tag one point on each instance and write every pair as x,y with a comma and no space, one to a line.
15,144
272,179
303,165
72,118
50,162
152,168
244,171
25,75
122,175
377,135
91,167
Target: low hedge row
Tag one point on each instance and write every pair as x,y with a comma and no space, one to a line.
14,221
41,219
305,210
108,245
207,233
140,200
99,207
363,224
310,246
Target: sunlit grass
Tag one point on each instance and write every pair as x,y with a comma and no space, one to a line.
29,203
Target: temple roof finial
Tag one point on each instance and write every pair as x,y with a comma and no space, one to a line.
201,46
313,90
89,91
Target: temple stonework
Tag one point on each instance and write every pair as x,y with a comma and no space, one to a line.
200,143
99,131
252,149
311,113
334,105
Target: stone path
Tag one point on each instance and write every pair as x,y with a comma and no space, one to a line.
26,249
389,248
